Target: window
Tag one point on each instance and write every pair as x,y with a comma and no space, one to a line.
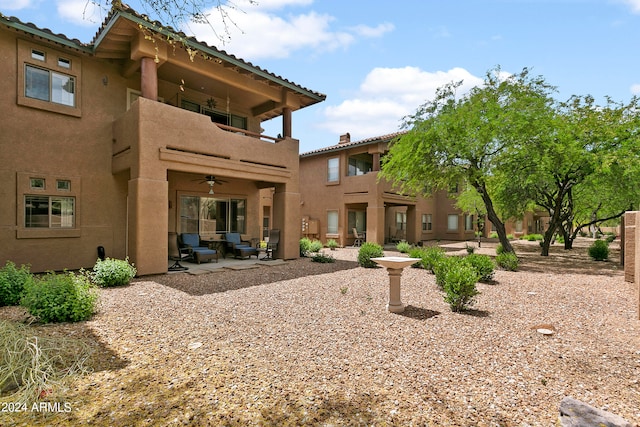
468,222
49,212
357,220
360,164
63,185
519,226
209,215
332,222
49,79
215,116
427,224
333,168
49,86
401,221
452,222
36,183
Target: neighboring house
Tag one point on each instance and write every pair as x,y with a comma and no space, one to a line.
341,192
110,143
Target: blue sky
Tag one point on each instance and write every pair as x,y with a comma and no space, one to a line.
377,61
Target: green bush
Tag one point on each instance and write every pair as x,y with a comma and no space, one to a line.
483,265
315,246
367,251
430,256
65,297
459,284
560,238
493,235
499,249
441,267
532,237
610,237
113,272
322,258
305,245
12,283
508,261
332,244
403,247
599,250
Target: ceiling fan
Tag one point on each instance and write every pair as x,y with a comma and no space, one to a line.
211,180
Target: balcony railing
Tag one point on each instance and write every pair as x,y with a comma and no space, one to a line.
247,133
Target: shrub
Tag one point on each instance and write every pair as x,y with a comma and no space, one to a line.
113,272
510,236
460,284
560,238
483,265
507,261
610,237
493,235
432,255
60,297
599,250
442,266
403,247
322,258
12,283
305,245
532,237
315,246
499,249
332,244
367,251
470,249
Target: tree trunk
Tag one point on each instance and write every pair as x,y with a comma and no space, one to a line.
494,218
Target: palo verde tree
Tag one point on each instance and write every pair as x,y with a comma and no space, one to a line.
582,171
454,139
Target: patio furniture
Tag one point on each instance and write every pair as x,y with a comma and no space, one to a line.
177,254
272,244
238,247
359,238
199,253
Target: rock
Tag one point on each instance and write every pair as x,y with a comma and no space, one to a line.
574,413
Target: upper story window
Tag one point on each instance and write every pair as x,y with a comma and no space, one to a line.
49,86
360,164
333,169
48,79
215,115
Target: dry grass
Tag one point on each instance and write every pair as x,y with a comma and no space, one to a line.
312,344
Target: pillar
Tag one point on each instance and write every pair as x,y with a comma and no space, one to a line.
286,122
375,224
147,222
149,78
287,218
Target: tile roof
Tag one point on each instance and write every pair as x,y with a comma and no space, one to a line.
128,13
345,145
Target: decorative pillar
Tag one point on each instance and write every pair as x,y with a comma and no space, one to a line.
286,122
149,78
287,218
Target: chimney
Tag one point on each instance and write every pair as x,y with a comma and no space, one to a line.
345,138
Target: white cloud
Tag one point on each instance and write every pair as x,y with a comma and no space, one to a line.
633,4
635,89
80,12
386,95
14,4
266,31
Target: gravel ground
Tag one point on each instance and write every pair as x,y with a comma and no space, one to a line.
312,344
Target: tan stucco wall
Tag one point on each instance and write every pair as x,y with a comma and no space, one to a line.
127,167
42,143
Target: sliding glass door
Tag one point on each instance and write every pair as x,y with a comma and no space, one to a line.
212,215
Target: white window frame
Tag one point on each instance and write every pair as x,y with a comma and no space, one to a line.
333,169
332,222
452,222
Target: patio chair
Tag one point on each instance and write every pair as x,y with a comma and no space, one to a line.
177,254
272,244
238,247
200,253
359,238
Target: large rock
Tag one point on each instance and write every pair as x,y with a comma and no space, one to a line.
574,413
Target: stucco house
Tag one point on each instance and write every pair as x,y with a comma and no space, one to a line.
341,192
142,132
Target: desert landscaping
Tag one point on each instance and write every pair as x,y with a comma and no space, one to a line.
304,343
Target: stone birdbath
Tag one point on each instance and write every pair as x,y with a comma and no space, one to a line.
394,266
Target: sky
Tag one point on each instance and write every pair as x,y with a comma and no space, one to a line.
378,61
